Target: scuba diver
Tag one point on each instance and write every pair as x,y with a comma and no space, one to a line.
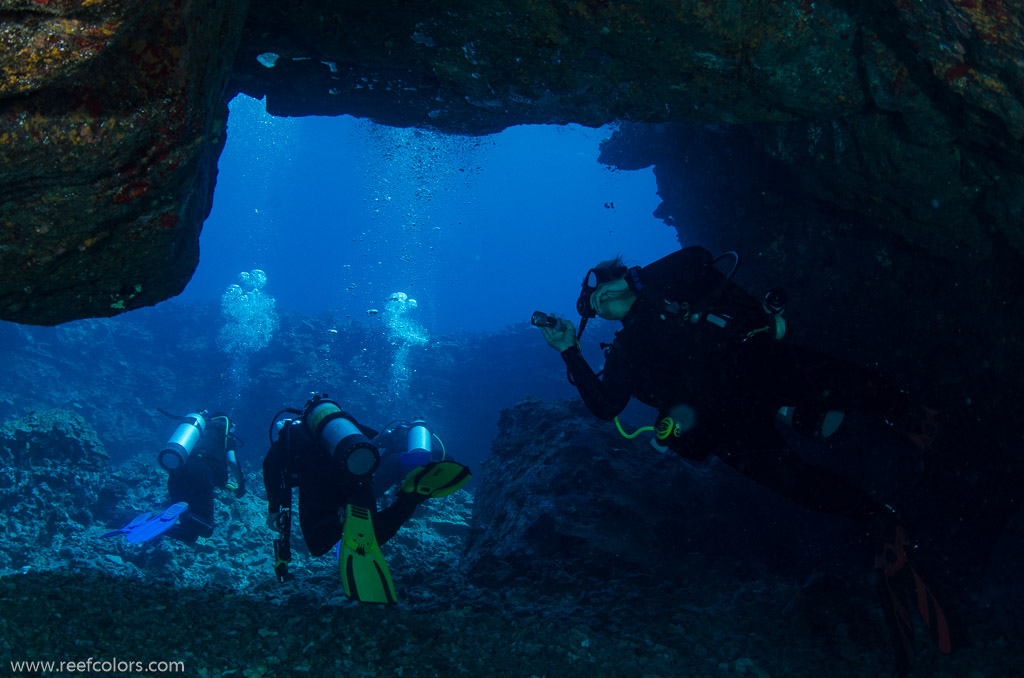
199,457
403,446
710,358
329,456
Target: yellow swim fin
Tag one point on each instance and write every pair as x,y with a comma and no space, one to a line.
363,570
436,479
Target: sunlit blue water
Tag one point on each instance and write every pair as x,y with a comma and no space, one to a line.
344,217
480,231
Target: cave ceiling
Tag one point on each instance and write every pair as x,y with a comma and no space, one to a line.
113,112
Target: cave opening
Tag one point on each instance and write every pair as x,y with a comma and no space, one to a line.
341,213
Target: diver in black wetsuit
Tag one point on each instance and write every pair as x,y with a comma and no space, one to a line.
712,367
325,487
708,357
209,462
331,458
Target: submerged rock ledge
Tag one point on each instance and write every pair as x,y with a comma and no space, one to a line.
112,114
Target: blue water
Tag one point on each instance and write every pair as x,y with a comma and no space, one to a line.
341,214
481,231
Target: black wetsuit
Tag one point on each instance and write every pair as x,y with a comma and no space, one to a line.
729,381
295,460
391,443
205,469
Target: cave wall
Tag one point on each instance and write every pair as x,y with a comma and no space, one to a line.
112,113
112,118
908,113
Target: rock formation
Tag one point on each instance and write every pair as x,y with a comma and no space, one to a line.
112,113
113,117
564,498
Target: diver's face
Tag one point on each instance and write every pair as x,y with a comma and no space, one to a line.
612,300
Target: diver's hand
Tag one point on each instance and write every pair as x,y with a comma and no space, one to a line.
274,521
617,286
609,291
560,337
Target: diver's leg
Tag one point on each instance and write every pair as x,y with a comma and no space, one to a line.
193,484
814,487
900,582
319,509
845,386
387,522
200,509
827,385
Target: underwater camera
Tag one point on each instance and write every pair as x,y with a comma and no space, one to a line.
542,319
335,430
182,442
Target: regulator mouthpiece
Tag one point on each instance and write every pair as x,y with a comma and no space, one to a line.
775,300
774,304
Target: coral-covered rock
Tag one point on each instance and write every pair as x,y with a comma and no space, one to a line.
52,474
111,122
112,113
54,439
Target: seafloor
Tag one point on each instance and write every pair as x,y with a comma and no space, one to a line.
217,608
574,553
446,627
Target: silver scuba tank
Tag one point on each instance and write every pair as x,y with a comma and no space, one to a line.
418,440
176,451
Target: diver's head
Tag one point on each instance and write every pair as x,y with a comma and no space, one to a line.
611,301
604,292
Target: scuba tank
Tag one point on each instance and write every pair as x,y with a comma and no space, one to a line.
418,445
337,433
182,442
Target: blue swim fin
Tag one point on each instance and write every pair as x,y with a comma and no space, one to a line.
135,522
156,526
